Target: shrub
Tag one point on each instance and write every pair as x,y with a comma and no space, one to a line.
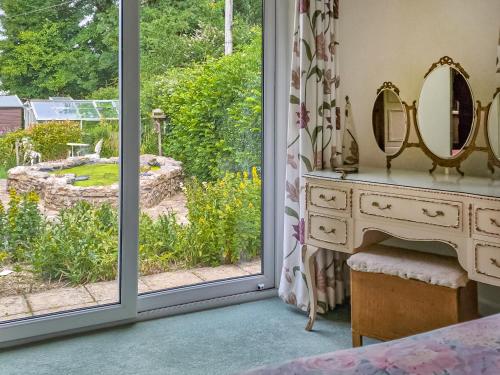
224,220
49,139
20,225
81,246
213,111
158,241
8,148
108,132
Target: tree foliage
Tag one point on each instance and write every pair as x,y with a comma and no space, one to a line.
55,48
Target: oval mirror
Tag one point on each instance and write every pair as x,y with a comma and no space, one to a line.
494,126
389,121
445,113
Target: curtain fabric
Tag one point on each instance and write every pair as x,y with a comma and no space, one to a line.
312,145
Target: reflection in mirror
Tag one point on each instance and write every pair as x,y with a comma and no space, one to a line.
446,112
389,121
494,126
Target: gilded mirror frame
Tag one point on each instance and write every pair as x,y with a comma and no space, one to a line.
469,146
493,160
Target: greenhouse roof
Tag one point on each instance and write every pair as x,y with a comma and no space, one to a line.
75,110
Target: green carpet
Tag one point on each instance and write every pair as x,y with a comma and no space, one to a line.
219,341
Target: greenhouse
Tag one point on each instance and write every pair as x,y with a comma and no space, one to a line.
67,109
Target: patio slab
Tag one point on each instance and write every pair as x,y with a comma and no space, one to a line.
65,308
14,317
171,280
56,298
13,305
219,273
253,268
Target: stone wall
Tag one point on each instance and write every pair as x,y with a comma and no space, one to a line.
58,192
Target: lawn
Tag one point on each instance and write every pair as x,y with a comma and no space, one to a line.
99,174
3,173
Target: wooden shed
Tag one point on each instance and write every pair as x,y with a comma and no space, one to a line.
11,113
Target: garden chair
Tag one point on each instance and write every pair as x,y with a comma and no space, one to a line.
97,150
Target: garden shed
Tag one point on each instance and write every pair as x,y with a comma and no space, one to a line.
11,113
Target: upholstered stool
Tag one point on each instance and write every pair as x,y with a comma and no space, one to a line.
397,293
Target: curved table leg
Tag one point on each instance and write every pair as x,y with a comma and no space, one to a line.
311,283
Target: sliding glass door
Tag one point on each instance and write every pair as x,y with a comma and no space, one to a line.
206,151
68,218
126,189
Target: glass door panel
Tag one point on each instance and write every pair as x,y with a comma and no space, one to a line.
202,144
64,253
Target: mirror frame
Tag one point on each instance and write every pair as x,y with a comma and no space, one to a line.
493,160
389,86
469,147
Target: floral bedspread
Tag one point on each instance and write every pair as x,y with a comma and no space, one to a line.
471,348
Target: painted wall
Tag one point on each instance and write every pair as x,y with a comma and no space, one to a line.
398,41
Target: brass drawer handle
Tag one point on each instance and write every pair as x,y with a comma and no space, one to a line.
323,229
379,206
495,223
495,262
323,197
427,213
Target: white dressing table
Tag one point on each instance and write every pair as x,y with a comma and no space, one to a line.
349,214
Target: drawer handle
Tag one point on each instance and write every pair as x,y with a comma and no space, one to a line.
436,214
324,230
495,223
323,197
495,262
379,206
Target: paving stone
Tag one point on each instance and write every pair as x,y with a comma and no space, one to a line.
56,298
65,308
170,280
107,291
14,317
219,273
13,305
253,268
104,292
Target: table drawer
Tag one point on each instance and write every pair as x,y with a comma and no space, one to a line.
487,221
324,197
487,260
327,229
412,210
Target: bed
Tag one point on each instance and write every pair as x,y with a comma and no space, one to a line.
471,348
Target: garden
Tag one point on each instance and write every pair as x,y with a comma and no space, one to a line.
212,107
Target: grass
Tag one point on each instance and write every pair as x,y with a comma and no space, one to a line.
3,173
99,174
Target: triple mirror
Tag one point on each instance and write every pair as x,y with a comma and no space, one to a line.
445,119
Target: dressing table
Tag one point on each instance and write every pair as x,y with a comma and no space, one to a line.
349,213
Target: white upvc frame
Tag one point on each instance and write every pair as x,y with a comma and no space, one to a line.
17,332
162,303
174,298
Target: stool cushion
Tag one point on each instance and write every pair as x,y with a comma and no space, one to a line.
408,264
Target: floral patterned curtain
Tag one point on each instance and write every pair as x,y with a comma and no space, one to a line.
312,145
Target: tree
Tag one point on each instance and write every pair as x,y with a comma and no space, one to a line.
54,48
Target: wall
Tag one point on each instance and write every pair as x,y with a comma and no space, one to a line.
398,40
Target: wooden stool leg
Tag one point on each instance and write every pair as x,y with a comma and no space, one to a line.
357,339
311,283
